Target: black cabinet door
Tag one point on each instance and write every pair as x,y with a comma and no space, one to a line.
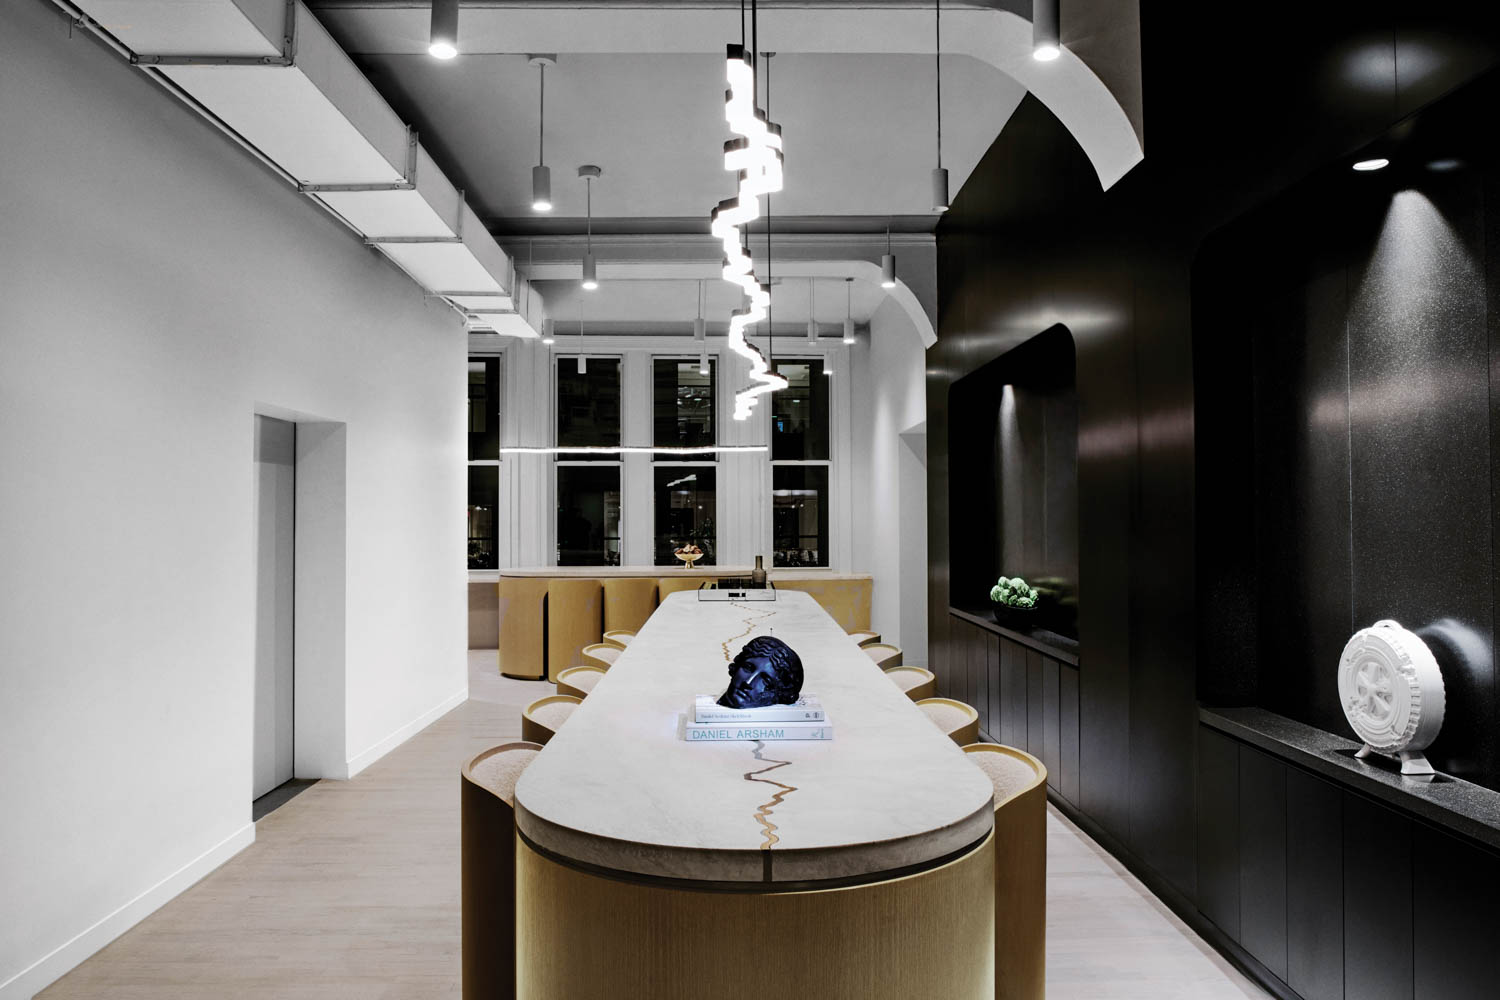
992,672
979,677
1263,833
1051,721
1069,725
1377,902
1457,919
1013,693
1035,706
1219,830
1314,887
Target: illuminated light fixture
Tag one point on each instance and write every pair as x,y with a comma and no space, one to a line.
1444,166
583,361
589,173
888,263
939,175
812,323
755,157
547,337
1375,163
848,310
541,174
1046,44
442,38
601,449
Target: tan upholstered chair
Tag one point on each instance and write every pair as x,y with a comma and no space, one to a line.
541,720
619,637
916,682
575,619
1020,783
958,720
522,642
628,602
884,654
601,655
669,585
487,805
578,681
864,638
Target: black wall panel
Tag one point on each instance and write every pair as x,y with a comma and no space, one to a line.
979,674
992,670
1314,886
1069,730
1051,755
1457,919
1036,732
1263,859
1377,901
1218,853
1013,702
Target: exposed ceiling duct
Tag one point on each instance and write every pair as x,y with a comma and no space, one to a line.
268,74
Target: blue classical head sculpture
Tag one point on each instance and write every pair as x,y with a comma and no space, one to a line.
766,672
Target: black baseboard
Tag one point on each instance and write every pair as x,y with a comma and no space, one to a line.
1177,902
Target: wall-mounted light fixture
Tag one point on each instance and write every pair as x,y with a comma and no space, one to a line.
589,173
541,174
442,37
848,310
1046,44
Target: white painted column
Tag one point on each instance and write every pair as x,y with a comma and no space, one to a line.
636,501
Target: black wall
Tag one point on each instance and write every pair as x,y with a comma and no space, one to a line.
1240,103
1348,332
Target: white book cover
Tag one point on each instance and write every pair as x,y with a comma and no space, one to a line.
713,732
804,709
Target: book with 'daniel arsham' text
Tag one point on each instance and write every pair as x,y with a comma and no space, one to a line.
710,732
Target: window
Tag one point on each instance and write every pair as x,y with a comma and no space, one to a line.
685,512
588,405
682,405
484,460
799,514
588,514
588,486
799,413
799,466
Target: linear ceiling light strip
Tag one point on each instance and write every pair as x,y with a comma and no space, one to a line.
744,449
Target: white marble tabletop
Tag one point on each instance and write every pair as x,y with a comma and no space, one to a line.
619,789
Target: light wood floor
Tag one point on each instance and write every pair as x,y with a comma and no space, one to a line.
351,891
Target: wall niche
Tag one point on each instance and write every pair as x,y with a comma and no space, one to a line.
1013,479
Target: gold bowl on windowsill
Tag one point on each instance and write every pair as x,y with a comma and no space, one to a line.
689,554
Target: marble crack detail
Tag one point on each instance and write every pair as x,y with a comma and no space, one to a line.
763,812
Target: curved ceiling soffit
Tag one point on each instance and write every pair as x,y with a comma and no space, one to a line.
1105,125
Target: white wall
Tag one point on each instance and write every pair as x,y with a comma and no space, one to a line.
889,414
160,289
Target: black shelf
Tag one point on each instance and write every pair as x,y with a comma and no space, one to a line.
1053,644
1451,803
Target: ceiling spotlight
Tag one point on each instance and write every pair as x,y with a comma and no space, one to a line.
541,174
547,337
589,173
1045,37
888,263
442,39
1374,163
1444,166
812,323
849,310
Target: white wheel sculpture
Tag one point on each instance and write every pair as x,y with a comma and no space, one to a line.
1392,693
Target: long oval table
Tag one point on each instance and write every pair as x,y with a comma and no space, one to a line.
650,866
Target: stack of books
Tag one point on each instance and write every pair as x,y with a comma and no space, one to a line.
802,720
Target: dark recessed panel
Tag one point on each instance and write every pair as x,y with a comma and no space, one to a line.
1013,693
1314,886
979,676
1051,755
992,671
1420,449
1457,919
1219,830
1377,902
1069,726
1035,704
1263,859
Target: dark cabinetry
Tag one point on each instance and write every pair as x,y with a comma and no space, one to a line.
1334,894
1025,698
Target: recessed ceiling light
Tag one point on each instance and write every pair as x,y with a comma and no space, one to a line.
1045,53
1445,165
442,39
1375,163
